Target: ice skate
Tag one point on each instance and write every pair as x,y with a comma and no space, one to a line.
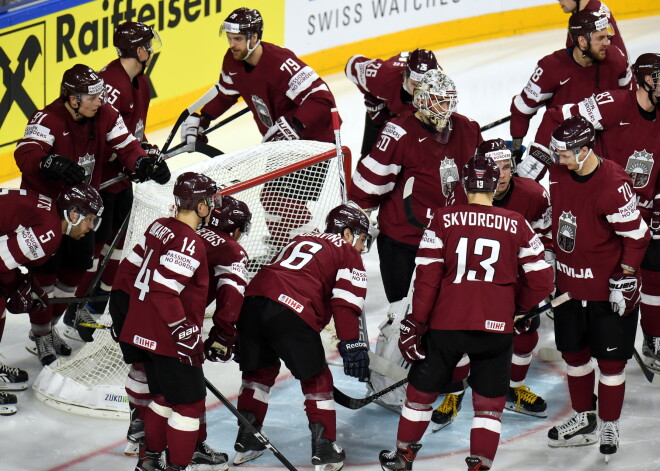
150,461
399,459
7,403
135,437
651,352
12,379
247,446
475,464
206,458
609,438
43,348
326,454
447,411
75,331
579,430
60,347
524,401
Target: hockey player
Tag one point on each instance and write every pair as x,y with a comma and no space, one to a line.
31,229
599,238
166,279
590,67
288,101
573,6
528,198
469,256
67,143
618,115
387,86
317,276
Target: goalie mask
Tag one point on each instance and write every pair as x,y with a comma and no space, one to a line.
231,214
245,21
573,134
435,97
648,64
480,174
81,199
130,35
344,216
81,80
419,62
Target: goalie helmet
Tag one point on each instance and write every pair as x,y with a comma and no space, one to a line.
83,198
244,21
344,216
496,149
574,133
130,35
79,80
419,62
480,174
436,98
586,22
231,214
190,188
648,64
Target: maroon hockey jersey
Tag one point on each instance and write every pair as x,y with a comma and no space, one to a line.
603,10
467,274
382,79
131,98
558,80
30,228
171,284
279,85
529,198
596,226
89,143
626,137
318,276
227,264
406,148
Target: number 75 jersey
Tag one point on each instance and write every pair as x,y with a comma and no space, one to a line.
167,278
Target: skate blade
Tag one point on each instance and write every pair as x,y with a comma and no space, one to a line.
513,408
582,440
652,365
31,347
329,466
241,458
438,427
8,410
72,334
13,386
132,448
207,467
607,459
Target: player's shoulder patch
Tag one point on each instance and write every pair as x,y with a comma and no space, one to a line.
394,131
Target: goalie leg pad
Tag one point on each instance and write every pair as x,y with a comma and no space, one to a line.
319,402
415,415
486,426
611,388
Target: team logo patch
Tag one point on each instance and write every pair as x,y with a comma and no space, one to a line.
87,162
566,232
262,111
448,176
639,167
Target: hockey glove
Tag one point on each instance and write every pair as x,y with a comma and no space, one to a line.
27,297
517,149
526,321
192,129
624,292
189,344
220,344
355,354
55,167
282,130
537,162
410,340
654,223
377,110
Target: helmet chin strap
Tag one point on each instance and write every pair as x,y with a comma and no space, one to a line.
581,162
70,225
251,50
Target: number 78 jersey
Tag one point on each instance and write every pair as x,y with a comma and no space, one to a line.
475,266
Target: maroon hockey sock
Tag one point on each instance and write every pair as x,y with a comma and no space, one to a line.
255,391
415,415
581,379
611,389
486,425
461,370
202,435
183,431
47,282
523,345
319,402
155,424
137,389
649,313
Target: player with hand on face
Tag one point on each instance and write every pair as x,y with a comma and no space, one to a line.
316,277
599,238
467,290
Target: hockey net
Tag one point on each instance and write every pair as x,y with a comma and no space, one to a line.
289,186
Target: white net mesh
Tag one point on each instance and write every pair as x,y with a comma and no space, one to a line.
289,187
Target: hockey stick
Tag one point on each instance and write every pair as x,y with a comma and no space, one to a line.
650,375
353,403
79,299
495,123
203,100
340,154
561,299
407,204
263,439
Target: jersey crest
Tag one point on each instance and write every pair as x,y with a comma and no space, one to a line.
262,111
87,162
567,231
448,176
639,167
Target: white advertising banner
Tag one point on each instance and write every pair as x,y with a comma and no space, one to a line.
314,25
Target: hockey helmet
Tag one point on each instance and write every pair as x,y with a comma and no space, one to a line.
79,80
435,96
586,22
231,214
648,64
244,21
190,188
344,216
83,198
131,35
481,174
496,149
419,62
574,133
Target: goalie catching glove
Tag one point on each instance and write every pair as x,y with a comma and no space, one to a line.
220,344
282,130
624,292
410,340
189,344
27,297
536,164
355,354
